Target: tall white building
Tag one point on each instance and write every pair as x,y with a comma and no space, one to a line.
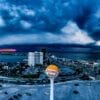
31,59
35,58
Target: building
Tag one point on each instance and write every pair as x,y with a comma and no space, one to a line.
38,58
43,50
35,58
31,59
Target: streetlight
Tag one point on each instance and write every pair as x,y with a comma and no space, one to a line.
52,72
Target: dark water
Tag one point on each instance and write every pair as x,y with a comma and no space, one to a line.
11,58
79,56
74,52
73,56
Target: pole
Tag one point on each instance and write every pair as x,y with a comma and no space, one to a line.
51,88
52,72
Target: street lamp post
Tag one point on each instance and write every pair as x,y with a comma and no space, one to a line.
52,73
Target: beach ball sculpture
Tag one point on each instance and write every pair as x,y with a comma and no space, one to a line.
52,72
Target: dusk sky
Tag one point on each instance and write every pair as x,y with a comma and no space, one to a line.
50,21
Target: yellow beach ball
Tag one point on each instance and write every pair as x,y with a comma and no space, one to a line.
52,71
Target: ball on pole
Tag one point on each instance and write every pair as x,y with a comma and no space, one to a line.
52,71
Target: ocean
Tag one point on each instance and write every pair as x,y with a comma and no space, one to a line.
79,56
74,52
72,56
12,58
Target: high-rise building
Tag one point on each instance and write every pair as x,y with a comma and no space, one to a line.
35,58
43,50
38,58
31,59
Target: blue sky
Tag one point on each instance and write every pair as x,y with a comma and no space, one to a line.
50,21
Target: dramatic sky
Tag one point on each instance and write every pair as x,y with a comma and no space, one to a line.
50,21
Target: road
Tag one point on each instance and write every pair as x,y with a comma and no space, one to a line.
71,90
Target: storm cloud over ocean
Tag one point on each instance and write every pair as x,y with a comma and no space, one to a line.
50,21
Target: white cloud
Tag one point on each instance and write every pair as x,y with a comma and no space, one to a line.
25,24
37,38
2,22
97,14
66,4
97,43
30,38
69,34
17,39
42,9
73,34
24,10
16,10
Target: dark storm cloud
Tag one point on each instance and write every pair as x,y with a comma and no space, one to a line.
51,16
